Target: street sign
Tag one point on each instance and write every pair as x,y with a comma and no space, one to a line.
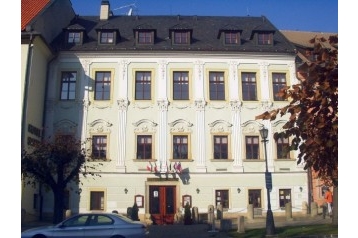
268,179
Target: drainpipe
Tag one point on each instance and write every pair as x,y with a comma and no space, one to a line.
26,89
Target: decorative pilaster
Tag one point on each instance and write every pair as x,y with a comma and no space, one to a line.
236,135
122,123
163,122
200,139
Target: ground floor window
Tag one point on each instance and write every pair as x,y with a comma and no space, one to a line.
97,200
285,197
255,197
222,198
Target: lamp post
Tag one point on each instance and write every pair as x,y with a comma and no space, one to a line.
270,223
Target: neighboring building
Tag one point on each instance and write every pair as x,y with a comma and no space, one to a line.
169,106
304,43
41,22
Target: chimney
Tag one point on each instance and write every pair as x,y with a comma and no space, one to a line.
104,14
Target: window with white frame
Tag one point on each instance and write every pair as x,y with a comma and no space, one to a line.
278,82
97,200
248,83
144,147
102,89
216,86
68,85
252,147
180,146
143,85
99,147
221,147
180,85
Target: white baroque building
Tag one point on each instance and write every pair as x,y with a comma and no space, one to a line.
169,106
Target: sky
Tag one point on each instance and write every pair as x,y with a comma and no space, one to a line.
300,15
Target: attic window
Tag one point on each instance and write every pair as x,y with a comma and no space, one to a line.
264,38
145,37
232,38
181,37
107,37
74,37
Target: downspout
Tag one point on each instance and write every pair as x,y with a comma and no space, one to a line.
26,89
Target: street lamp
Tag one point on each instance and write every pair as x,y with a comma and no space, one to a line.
270,223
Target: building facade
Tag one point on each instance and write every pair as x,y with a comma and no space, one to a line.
168,106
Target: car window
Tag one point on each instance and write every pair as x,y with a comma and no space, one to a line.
98,220
76,221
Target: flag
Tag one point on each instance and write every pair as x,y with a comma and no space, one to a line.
150,167
170,167
155,168
167,168
175,166
179,168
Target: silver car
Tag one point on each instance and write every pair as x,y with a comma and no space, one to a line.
101,225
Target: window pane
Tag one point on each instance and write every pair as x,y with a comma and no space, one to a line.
99,147
249,86
220,147
278,82
68,86
231,38
180,86
144,147
222,198
180,147
252,147
217,86
143,86
102,85
181,37
282,147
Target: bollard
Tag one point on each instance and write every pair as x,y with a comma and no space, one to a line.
211,218
288,210
240,224
250,211
304,208
219,212
314,209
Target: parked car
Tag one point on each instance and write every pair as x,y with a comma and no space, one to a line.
101,225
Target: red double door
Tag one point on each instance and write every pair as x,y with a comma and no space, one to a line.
162,204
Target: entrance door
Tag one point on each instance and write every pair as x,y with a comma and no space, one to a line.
162,204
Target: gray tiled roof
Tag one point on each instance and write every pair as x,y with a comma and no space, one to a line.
205,30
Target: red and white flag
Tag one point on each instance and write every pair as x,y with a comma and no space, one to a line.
149,167
155,168
178,168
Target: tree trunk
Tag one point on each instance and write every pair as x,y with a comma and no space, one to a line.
335,206
58,206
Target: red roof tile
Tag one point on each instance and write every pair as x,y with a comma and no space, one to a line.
29,9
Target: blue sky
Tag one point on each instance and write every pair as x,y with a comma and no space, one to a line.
301,15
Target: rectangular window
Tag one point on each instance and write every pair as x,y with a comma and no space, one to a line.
264,39
278,82
181,37
181,86
102,86
143,86
221,147
74,37
231,38
249,86
180,147
216,86
283,148
99,147
68,85
285,197
97,200
107,38
222,198
144,147
252,147
145,37
255,198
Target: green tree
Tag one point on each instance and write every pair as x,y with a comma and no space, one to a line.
55,163
313,110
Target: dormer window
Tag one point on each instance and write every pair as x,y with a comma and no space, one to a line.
107,37
264,38
74,37
181,37
232,38
145,37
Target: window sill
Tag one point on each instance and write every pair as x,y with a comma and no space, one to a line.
221,160
181,160
253,160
